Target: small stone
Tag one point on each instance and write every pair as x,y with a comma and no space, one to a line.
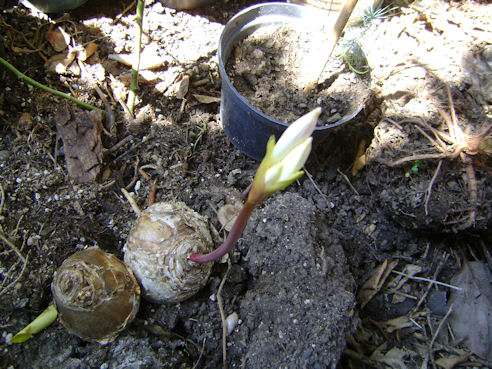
4,155
437,302
258,54
231,322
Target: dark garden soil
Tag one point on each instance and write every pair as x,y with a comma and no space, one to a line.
405,188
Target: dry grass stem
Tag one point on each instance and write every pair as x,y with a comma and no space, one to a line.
428,280
222,315
201,354
443,261
13,247
415,158
348,182
441,323
132,202
2,234
316,187
153,186
428,193
3,289
123,13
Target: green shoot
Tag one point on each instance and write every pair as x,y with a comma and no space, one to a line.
136,63
43,87
417,165
42,321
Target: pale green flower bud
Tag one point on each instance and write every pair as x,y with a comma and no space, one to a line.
283,160
296,133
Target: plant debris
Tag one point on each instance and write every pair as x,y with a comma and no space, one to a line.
81,135
374,284
472,308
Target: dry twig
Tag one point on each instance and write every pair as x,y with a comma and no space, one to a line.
428,280
201,354
428,193
14,248
348,181
434,277
2,234
123,13
222,315
132,201
441,323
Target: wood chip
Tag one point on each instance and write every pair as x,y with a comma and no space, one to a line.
81,135
204,99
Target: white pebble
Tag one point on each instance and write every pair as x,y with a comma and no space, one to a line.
231,322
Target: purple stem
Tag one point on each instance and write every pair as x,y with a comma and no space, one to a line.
231,240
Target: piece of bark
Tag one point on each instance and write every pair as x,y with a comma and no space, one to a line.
472,308
81,135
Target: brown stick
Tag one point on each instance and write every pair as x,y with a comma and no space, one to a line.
335,34
222,315
428,193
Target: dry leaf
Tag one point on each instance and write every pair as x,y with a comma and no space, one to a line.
374,283
144,77
118,88
74,69
397,323
472,312
25,122
63,63
81,135
126,59
400,280
182,88
394,358
59,63
204,99
360,158
58,39
451,362
147,76
84,53
227,214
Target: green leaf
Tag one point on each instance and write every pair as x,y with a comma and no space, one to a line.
282,184
42,321
256,193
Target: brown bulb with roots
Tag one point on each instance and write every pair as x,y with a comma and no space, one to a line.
96,295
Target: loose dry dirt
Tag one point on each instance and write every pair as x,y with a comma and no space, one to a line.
276,70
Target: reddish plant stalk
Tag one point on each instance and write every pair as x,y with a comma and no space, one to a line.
232,238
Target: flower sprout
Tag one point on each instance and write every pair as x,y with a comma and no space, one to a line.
280,167
284,159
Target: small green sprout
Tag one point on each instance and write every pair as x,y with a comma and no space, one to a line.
373,13
202,132
42,321
418,164
353,56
